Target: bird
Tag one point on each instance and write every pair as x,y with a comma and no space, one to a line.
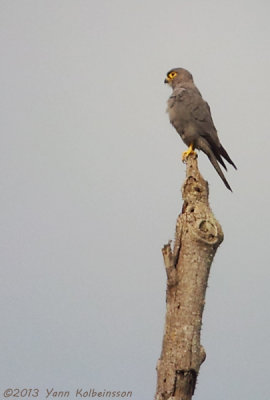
191,116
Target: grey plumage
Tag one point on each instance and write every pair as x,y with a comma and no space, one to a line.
191,117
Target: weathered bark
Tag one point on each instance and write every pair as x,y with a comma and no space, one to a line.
197,237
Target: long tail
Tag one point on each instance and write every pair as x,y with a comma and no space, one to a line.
203,145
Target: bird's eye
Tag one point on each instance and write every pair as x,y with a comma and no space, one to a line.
172,74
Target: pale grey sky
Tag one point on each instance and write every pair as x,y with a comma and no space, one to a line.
90,191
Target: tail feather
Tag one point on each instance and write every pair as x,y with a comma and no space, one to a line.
218,157
203,145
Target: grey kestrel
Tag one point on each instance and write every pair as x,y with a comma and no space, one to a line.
191,117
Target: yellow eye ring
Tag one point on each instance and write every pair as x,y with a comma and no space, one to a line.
172,75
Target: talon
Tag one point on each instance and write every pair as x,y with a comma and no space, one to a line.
189,151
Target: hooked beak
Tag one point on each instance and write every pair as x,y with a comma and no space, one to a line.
166,80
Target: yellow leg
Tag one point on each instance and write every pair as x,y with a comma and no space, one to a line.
189,151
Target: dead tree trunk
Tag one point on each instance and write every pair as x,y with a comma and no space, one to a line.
197,237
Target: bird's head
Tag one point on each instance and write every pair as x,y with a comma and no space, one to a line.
178,75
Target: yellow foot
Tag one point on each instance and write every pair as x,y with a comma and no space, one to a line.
189,151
